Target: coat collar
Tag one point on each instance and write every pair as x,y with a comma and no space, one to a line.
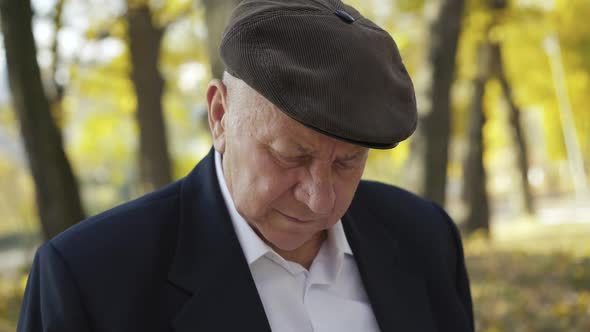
209,264
210,269
398,296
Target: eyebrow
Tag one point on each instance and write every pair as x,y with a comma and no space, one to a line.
347,157
306,151
301,148
354,155
292,143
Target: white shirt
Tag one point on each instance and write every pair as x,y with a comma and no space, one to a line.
330,297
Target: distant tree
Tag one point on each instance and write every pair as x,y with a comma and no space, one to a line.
474,193
56,188
431,140
145,31
54,88
516,126
217,13
57,89
490,65
145,39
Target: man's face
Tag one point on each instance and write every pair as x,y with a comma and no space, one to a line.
287,181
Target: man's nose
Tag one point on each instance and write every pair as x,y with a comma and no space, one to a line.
317,190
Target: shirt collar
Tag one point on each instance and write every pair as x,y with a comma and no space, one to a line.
252,244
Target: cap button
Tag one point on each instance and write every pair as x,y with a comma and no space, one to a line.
346,17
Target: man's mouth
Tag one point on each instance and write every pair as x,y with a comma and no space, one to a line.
297,220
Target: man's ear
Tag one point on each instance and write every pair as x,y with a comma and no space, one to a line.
217,108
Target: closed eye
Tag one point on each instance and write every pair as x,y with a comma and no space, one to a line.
346,164
350,162
289,161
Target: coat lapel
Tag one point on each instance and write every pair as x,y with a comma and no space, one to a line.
398,297
209,265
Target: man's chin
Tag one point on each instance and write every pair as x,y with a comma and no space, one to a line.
284,243
289,242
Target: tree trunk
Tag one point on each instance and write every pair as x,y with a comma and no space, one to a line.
58,200
517,131
431,140
474,186
57,90
217,14
144,44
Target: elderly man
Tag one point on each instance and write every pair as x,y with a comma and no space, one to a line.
273,230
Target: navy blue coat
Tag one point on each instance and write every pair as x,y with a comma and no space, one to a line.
171,261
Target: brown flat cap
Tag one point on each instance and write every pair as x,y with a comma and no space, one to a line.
324,65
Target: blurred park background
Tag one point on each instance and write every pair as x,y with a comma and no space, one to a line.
103,100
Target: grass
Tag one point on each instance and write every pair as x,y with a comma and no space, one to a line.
531,277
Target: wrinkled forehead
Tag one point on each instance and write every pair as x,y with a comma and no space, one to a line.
246,103
240,94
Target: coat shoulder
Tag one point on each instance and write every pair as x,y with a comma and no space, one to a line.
115,256
422,229
428,242
132,222
397,206
117,248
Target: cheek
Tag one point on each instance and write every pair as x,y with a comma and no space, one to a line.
345,190
263,184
